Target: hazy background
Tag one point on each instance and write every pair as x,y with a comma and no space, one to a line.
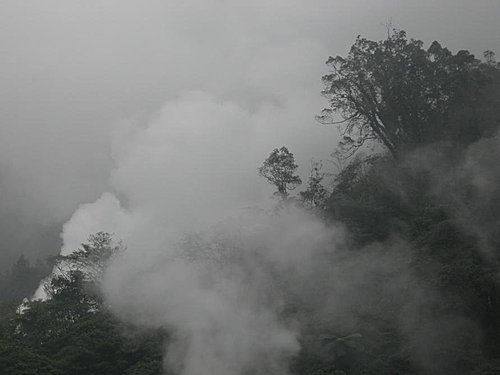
87,88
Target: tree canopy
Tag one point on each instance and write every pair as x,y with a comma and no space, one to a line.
72,331
279,169
402,95
91,258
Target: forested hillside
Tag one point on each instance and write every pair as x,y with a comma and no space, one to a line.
401,272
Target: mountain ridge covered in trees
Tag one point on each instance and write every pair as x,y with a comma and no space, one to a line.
416,282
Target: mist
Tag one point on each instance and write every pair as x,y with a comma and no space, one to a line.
72,71
148,120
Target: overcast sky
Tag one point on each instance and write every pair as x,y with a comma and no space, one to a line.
112,95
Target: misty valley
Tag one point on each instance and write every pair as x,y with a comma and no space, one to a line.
217,239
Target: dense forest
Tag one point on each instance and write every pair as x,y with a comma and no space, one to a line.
416,195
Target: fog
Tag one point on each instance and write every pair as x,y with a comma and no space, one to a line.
149,119
72,73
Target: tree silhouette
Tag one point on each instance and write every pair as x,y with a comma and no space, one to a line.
279,169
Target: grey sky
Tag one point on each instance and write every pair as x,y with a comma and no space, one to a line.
80,79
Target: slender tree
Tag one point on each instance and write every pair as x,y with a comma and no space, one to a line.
279,169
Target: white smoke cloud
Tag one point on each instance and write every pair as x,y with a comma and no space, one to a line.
192,164
223,304
105,215
188,167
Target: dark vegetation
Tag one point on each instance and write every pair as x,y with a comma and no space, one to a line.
419,153
71,332
22,279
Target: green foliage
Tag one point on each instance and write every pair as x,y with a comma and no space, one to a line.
380,198
279,169
71,332
22,279
316,195
370,205
17,360
427,107
402,95
92,258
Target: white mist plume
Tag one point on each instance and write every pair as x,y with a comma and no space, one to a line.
223,304
192,164
189,167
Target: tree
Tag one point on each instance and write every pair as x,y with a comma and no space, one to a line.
400,94
316,194
90,261
93,257
489,57
68,334
22,280
279,169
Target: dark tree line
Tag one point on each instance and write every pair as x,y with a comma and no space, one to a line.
22,279
71,332
434,184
